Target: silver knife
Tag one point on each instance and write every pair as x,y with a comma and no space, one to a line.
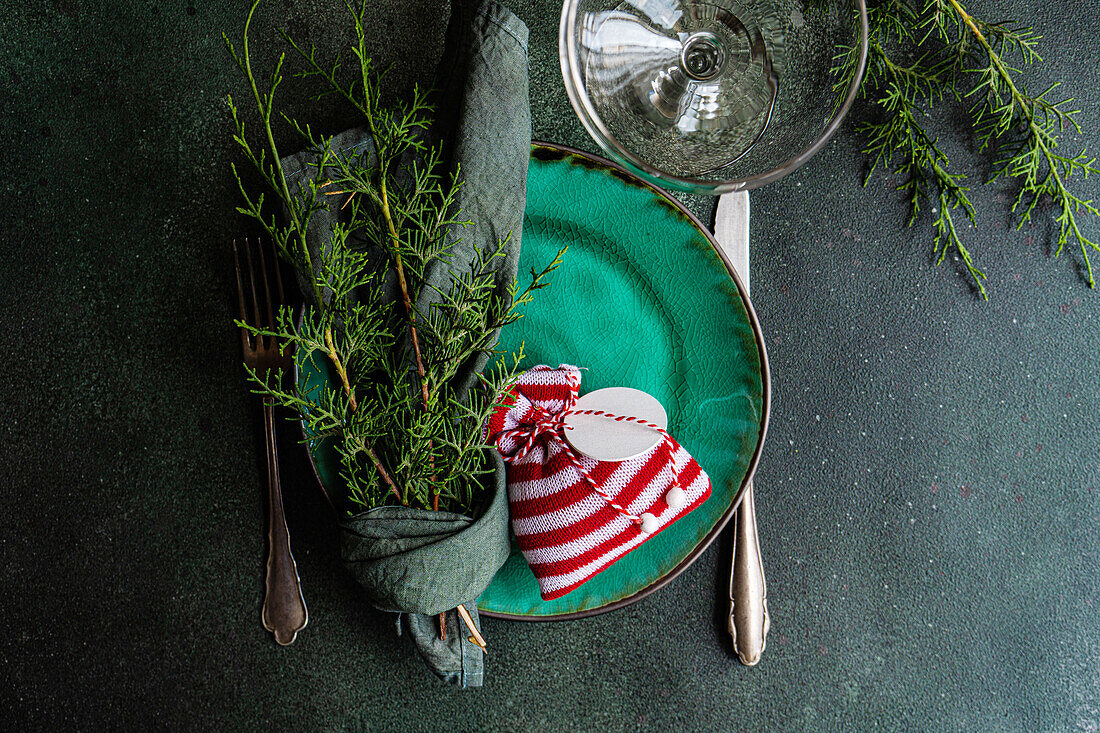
748,618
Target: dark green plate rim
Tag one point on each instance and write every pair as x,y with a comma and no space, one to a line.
765,381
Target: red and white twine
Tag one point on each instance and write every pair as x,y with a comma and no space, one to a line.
552,426
573,515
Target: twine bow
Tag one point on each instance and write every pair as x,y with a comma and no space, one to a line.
540,423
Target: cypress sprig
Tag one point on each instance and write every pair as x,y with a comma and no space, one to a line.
923,51
405,431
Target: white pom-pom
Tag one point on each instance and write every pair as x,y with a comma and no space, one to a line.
676,497
649,523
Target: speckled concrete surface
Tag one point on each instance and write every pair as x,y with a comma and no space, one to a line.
927,496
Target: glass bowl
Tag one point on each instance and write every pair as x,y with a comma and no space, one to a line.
712,96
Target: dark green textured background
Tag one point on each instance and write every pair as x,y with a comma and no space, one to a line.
927,495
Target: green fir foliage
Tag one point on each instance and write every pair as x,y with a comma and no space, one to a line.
925,52
405,432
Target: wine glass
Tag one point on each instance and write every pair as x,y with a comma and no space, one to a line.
712,96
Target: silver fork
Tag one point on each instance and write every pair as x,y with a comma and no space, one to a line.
284,612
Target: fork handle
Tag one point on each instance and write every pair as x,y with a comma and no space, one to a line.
284,613
749,620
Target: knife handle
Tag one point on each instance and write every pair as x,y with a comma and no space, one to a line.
748,619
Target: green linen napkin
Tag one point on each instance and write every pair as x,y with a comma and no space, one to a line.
421,564
415,562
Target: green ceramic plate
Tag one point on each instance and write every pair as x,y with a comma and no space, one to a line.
644,300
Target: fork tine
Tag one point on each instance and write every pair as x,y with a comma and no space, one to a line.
279,288
267,287
252,281
278,276
240,297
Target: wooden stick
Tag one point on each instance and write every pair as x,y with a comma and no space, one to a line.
476,637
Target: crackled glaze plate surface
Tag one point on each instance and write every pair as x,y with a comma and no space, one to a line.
643,300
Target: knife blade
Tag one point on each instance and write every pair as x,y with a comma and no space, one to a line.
748,618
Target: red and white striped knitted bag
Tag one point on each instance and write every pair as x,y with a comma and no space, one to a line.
574,516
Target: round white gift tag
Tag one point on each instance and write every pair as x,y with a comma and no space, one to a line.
604,439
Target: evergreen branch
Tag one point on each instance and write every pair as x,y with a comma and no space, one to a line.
924,166
1007,102
415,441
265,102
921,52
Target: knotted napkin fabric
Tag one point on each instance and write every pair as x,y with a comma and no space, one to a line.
574,516
420,563
415,562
